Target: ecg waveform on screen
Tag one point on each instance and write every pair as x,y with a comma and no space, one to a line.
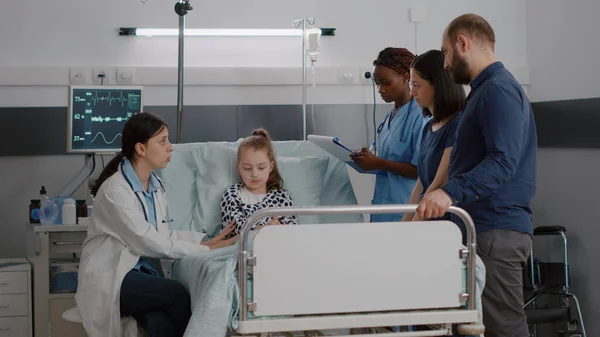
104,138
101,119
110,98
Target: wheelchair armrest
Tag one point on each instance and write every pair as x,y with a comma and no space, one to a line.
540,316
549,230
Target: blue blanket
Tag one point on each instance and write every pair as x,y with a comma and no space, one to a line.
211,280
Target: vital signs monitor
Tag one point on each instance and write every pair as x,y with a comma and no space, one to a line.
96,116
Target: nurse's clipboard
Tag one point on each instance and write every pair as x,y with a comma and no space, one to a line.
335,147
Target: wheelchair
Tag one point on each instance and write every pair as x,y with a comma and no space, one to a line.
547,291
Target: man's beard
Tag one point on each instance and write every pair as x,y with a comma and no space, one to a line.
460,70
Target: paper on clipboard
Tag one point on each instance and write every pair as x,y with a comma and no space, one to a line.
334,146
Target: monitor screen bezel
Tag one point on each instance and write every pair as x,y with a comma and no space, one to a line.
70,115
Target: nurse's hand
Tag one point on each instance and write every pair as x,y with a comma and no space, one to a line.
359,152
220,240
434,204
366,161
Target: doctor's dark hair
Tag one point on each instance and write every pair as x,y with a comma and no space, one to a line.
260,140
448,97
138,129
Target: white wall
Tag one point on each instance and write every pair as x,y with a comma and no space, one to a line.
562,49
564,64
74,37
83,33
38,51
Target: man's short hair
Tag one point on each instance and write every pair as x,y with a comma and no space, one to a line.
473,26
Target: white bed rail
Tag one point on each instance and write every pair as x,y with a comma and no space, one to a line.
245,260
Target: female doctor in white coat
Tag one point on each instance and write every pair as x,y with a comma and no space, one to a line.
399,134
129,231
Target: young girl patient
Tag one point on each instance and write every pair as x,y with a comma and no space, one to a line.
261,185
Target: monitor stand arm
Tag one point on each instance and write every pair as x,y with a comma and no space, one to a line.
80,177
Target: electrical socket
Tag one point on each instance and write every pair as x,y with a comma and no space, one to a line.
361,76
125,76
96,80
77,76
346,76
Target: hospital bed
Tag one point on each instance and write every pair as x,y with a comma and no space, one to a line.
410,274
334,271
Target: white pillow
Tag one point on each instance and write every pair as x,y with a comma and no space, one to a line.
303,179
337,188
215,173
182,195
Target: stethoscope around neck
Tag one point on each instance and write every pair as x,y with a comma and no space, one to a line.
389,114
161,203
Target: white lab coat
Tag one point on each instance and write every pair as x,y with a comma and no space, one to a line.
118,235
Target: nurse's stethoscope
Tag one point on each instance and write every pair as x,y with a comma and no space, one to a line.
161,203
387,119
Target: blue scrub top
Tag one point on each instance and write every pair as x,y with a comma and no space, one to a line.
399,141
153,186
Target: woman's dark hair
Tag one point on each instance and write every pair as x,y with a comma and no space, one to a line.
398,59
138,129
448,97
260,140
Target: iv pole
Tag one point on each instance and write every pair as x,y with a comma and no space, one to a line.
297,24
181,8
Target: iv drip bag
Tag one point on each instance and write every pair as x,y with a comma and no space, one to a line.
312,43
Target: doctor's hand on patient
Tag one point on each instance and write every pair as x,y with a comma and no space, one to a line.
220,240
434,204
